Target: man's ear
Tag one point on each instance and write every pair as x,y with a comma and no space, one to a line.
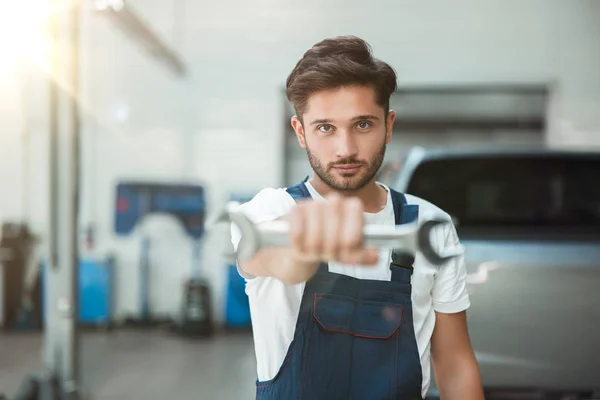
299,130
389,123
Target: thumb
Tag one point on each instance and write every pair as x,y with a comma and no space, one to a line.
370,257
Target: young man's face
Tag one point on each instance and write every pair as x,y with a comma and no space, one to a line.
344,132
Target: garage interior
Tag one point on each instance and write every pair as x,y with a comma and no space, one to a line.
122,123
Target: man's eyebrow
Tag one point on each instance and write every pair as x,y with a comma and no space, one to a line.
357,118
321,121
365,117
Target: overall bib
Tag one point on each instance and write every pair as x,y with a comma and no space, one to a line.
354,338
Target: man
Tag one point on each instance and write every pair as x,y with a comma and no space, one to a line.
332,319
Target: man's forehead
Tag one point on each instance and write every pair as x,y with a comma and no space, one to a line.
343,104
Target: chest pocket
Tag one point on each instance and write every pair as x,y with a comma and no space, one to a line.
359,318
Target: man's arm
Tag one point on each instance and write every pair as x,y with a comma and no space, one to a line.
281,264
455,366
454,363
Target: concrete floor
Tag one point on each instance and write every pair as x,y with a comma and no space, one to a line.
138,364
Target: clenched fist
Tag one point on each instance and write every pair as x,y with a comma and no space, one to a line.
330,231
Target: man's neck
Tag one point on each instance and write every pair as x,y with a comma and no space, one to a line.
372,195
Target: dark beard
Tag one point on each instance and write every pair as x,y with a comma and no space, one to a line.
351,183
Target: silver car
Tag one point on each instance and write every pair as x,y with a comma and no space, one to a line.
530,223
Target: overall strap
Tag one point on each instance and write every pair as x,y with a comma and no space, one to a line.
299,191
402,263
403,213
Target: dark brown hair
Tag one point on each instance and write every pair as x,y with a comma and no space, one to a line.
336,62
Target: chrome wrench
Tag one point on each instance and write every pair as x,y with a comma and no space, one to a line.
406,238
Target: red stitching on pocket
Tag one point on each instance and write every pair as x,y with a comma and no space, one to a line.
389,291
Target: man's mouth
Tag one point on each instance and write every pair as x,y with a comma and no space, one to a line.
348,168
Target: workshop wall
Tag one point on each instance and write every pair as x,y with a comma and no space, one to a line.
11,136
222,125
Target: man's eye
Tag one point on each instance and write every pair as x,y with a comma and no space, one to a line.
325,128
364,125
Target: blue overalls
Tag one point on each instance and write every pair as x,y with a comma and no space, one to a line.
354,338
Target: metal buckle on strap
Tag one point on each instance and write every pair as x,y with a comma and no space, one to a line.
402,260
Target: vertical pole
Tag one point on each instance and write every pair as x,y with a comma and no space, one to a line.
25,140
145,315
196,274
61,335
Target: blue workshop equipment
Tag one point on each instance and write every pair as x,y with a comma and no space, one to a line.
197,308
96,287
95,291
237,308
135,200
185,202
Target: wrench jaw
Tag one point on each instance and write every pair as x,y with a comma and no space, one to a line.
426,246
222,217
249,242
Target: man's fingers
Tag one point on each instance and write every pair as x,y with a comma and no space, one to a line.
333,219
366,257
331,231
351,236
351,232
297,226
370,257
314,234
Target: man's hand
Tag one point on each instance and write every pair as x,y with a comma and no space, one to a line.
320,231
455,366
330,230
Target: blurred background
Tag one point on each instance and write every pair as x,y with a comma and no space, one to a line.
182,108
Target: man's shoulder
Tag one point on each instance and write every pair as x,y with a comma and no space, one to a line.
270,194
443,234
268,203
426,208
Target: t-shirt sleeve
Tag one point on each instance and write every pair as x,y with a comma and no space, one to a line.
450,293
267,205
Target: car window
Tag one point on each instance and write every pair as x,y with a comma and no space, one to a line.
542,191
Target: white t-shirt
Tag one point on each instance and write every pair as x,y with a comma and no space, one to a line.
274,306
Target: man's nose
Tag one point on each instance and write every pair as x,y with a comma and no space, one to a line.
346,145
